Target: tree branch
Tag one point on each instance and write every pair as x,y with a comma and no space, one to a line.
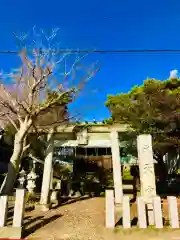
12,122
26,147
55,101
59,122
37,83
77,60
8,106
35,158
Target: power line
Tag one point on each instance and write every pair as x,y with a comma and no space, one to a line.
101,51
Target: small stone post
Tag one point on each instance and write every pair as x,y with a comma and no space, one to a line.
110,209
141,209
158,212
126,212
116,167
3,210
19,208
45,191
173,212
147,175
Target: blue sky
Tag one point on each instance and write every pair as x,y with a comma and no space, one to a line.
104,25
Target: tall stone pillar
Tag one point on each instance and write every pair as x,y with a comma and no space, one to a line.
116,167
147,174
47,173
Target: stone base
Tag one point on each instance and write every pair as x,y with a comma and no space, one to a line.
43,207
55,202
76,195
10,232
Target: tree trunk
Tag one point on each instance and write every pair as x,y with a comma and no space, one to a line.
15,160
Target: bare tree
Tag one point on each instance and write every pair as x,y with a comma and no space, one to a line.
30,94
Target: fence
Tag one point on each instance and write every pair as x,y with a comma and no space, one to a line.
14,231
141,212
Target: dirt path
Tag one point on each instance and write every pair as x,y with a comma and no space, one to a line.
84,220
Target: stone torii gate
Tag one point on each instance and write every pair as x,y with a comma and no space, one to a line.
102,135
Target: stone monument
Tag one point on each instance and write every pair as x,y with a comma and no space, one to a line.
147,174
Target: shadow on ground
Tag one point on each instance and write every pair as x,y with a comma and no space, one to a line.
134,222
11,211
36,223
69,200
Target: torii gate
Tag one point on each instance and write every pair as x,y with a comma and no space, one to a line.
109,138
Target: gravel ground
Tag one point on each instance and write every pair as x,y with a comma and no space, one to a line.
84,220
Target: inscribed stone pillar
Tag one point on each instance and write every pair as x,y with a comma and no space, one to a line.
47,173
116,167
146,167
147,175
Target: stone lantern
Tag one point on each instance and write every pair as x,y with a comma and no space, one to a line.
31,181
22,178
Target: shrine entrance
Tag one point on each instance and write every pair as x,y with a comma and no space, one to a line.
82,168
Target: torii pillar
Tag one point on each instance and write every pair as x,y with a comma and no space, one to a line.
117,177
47,173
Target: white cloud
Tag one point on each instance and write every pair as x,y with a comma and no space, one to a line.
173,74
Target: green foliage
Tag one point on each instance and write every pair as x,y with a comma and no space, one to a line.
55,96
30,198
152,108
108,121
126,174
